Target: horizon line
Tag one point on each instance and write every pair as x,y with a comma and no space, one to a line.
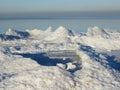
63,15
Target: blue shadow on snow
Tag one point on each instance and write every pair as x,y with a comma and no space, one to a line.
96,56
41,59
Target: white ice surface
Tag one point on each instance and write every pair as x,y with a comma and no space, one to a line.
92,65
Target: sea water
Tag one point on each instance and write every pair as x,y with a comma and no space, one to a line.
77,25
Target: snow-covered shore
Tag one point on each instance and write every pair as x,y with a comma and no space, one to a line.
60,60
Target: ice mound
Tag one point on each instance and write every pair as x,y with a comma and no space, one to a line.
104,39
104,33
60,35
96,31
36,32
63,32
39,34
11,32
17,33
49,29
14,34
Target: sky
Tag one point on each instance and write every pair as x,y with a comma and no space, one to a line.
58,8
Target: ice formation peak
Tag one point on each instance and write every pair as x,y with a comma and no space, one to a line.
11,32
61,34
49,29
96,31
37,32
21,34
63,31
104,33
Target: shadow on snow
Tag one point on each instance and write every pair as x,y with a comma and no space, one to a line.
96,56
42,59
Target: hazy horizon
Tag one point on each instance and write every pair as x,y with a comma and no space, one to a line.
63,15
30,9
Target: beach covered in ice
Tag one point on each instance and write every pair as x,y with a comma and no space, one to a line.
60,59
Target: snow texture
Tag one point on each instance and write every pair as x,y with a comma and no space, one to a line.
60,59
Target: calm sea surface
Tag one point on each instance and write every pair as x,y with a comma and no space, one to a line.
77,25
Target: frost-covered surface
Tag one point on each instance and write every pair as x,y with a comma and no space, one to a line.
60,60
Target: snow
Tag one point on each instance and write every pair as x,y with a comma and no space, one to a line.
101,39
60,59
61,33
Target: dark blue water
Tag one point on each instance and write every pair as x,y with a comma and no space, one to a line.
77,25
